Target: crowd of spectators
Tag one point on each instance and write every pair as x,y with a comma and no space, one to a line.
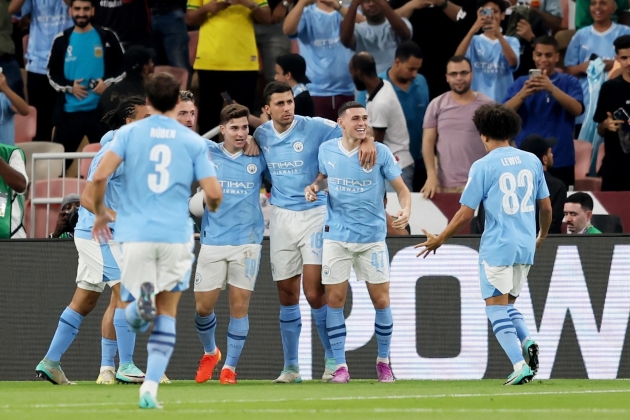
422,67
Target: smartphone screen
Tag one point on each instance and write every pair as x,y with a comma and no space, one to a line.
227,98
621,115
534,73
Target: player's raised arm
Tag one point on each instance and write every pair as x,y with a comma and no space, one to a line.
463,216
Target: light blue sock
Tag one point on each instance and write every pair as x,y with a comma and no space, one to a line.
108,352
125,337
320,322
336,328
519,322
505,332
290,328
67,329
236,335
383,327
160,347
206,326
137,324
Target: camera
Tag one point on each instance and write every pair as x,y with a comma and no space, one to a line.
73,218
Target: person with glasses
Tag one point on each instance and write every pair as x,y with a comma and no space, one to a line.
448,124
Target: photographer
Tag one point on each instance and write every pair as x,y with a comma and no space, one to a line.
68,216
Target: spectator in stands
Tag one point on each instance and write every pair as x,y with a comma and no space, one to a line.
444,20
542,148
548,105
548,11
413,94
494,57
128,19
47,20
578,211
13,186
584,17
291,69
10,104
594,41
271,40
448,125
613,96
316,25
227,59
186,111
138,65
84,61
67,218
385,115
170,34
391,230
8,62
378,35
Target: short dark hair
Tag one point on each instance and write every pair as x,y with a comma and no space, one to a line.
89,1
186,96
135,58
497,122
364,63
233,111
116,118
500,3
459,59
408,49
622,43
583,199
349,105
275,87
547,40
163,91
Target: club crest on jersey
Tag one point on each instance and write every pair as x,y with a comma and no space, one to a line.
197,278
252,169
326,271
298,146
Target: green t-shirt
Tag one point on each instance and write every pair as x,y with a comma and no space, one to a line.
592,230
583,14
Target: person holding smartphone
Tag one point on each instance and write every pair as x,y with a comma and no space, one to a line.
548,103
611,115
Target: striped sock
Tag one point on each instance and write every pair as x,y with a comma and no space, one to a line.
519,322
336,328
67,329
383,327
505,332
236,335
290,329
160,347
206,326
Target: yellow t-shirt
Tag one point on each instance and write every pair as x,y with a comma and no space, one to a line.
226,40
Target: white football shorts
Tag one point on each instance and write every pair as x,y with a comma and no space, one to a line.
497,281
98,264
218,266
370,262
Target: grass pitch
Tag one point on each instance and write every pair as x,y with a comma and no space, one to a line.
470,400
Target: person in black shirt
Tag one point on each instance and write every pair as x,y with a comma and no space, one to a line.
291,69
129,19
541,147
613,96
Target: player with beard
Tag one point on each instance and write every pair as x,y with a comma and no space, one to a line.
290,145
458,146
186,110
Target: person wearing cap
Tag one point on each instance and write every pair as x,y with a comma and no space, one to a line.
548,104
542,148
578,211
291,69
67,218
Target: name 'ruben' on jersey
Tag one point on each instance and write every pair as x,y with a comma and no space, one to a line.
162,158
85,223
292,159
356,212
508,181
239,219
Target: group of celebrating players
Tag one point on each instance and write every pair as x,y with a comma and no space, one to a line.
328,181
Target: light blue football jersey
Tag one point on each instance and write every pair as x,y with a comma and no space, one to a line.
356,212
162,158
84,225
292,159
508,181
239,219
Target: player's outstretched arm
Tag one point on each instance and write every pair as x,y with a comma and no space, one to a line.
212,191
88,204
463,216
96,195
545,214
401,219
320,184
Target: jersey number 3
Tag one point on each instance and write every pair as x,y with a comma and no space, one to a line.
508,184
161,155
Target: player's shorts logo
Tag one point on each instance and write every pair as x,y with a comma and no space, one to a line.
326,271
252,169
367,171
197,278
273,269
298,146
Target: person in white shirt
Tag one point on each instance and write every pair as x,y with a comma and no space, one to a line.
385,114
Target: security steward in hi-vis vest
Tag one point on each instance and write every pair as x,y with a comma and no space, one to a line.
8,196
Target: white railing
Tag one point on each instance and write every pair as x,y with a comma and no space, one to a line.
215,131
48,200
